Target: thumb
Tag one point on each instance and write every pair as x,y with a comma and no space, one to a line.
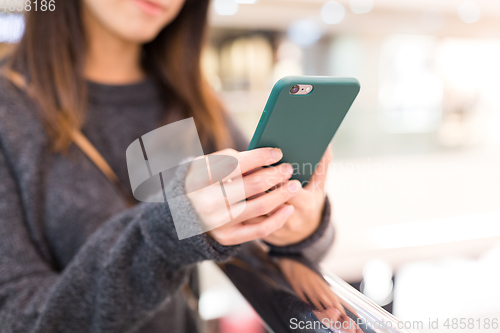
318,179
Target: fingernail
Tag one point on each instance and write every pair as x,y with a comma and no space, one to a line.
294,186
288,169
289,211
277,154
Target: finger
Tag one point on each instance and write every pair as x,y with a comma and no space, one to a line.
311,303
351,324
313,297
265,203
330,294
297,287
333,314
339,306
323,295
320,316
245,233
251,171
255,220
261,180
272,212
251,159
301,199
330,301
331,317
317,181
334,320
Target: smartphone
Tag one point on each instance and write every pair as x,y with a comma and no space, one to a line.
301,117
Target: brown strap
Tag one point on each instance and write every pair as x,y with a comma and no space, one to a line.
15,77
93,154
80,140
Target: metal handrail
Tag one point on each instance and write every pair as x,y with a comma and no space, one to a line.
281,295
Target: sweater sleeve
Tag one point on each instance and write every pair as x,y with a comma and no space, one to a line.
316,246
120,277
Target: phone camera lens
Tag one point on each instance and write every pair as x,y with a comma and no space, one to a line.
295,89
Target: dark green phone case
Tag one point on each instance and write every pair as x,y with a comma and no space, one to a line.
303,125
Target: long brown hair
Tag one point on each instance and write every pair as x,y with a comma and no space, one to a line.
50,56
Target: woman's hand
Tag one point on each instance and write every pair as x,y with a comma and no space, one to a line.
314,290
270,206
308,204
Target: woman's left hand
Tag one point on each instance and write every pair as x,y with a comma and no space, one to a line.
308,207
312,288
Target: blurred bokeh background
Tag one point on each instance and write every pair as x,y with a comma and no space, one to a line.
415,180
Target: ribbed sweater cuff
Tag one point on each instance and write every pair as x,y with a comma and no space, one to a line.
162,233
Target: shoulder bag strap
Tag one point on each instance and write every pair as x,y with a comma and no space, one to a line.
93,154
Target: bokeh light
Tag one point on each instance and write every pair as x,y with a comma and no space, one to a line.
469,11
11,27
304,32
225,7
361,6
332,12
377,281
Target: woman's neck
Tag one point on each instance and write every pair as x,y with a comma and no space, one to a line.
110,59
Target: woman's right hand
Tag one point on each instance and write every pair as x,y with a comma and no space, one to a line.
255,180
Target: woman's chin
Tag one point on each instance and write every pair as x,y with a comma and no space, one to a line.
140,36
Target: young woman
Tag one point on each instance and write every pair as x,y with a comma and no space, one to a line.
73,256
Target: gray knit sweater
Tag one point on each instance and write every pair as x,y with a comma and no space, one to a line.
73,258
